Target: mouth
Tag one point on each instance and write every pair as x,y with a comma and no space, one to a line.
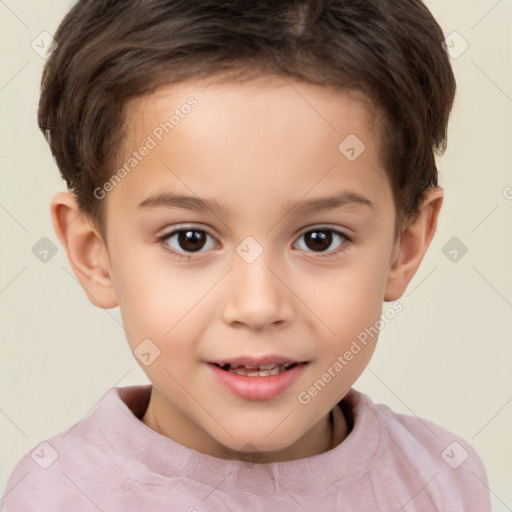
264,370
265,378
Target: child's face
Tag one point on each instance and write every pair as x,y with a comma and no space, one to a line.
257,150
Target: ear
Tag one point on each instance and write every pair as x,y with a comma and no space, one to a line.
410,249
86,250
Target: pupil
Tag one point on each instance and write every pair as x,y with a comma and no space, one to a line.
191,240
321,240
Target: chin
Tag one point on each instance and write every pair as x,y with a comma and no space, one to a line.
258,446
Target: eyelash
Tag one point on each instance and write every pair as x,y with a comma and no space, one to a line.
347,241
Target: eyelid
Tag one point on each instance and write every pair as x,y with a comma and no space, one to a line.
330,227
200,227
167,232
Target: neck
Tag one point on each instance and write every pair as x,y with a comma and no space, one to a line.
325,435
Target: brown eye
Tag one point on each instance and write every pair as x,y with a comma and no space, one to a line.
321,240
191,240
188,240
318,240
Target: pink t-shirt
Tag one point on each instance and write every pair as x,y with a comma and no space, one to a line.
112,462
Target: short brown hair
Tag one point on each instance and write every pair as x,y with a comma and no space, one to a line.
110,51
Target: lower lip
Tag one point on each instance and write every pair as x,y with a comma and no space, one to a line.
258,388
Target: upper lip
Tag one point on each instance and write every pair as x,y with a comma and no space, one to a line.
256,361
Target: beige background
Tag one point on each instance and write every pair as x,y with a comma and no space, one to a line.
446,357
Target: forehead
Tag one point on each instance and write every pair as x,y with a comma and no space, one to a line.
272,136
272,96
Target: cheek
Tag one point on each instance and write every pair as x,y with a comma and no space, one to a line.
160,299
346,299
144,292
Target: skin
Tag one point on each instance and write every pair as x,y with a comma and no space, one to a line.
259,148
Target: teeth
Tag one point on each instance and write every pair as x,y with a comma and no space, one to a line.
267,366
257,371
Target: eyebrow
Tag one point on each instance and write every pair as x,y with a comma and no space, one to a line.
171,200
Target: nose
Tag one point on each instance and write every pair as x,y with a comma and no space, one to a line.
257,296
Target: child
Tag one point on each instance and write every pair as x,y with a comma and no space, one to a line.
293,143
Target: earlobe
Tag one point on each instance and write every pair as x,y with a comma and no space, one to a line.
412,246
85,248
